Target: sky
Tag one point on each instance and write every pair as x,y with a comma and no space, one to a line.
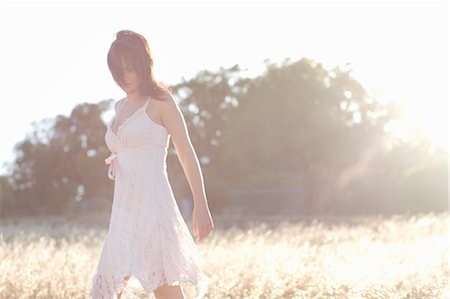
53,53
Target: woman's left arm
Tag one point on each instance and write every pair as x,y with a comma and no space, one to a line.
173,120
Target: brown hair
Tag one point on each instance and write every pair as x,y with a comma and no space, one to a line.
134,50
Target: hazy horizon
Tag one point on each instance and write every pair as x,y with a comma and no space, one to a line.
53,54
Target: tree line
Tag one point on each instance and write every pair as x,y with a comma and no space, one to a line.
296,124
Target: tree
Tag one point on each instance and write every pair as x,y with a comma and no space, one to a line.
60,158
299,124
206,101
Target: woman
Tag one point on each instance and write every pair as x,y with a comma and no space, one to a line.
147,236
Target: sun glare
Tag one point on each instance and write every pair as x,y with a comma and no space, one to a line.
423,103
420,121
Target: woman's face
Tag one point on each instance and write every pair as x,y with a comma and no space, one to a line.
131,80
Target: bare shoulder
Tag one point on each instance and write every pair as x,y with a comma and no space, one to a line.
175,124
158,107
168,100
118,103
166,106
162,102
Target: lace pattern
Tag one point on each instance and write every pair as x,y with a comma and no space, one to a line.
147,236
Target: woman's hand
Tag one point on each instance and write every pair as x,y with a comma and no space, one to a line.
202,222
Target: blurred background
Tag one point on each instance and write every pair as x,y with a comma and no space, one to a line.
297,109
321,129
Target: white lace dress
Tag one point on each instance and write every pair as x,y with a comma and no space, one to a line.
147,236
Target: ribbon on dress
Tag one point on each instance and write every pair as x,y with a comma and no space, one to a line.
111,160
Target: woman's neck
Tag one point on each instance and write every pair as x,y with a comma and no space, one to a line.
135,97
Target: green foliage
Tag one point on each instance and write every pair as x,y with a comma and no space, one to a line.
297,124
53,163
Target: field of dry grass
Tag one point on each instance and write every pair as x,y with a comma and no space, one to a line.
394,257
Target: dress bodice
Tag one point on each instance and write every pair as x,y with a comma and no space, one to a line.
147,237
137,131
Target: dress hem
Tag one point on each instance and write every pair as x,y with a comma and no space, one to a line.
201,284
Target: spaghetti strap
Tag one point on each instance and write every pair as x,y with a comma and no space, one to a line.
147,237
121,104
146,103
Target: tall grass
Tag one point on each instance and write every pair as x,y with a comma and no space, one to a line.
395,257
